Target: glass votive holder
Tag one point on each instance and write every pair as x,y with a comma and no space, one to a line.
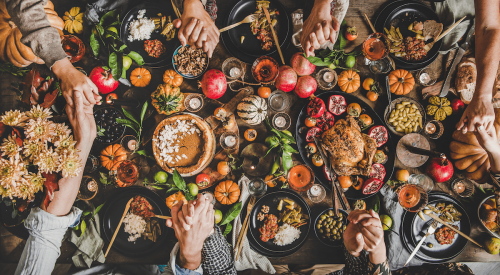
193,102
88,188
462,187
434,129
316,193
233,68
278,101
427,77
281,121
91,165
229,140
73,46
257,187
326,79
130,143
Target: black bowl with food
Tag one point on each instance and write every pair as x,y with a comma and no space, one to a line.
108,129
190,62
330,229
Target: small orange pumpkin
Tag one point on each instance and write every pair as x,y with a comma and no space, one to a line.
172,78
140,77
175,198
227,192
349,81
112,156
401,82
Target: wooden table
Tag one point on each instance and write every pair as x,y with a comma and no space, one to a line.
313,252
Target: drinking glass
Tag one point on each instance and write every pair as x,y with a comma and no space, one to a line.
376,48
73,46
412,197
422,180
281,121
265,69
232,68
316,193
257,187
127,173
278,101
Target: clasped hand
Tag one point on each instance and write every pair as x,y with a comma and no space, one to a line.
319,28
365,232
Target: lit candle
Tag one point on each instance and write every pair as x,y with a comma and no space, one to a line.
425,78
235,72
315,190
430,128
92,186
194,103
280,121
328,77
459,187
230,141
131,144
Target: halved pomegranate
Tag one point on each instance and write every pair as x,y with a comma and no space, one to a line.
378,171
326,121
337,105
313,132
329,176
379,134
316,107
372,186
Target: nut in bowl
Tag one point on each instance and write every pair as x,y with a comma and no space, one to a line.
406,116
190,62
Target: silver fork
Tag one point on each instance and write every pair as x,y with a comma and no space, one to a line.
248,19
430,231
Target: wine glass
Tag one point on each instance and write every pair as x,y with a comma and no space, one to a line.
127,173
376,48
422,180
265,69
412,198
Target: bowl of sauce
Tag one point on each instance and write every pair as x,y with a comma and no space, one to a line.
301,178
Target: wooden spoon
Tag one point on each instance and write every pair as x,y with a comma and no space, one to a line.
127,207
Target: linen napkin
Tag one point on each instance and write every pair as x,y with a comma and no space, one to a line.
89,245
397,255
449,12
248,258
339,9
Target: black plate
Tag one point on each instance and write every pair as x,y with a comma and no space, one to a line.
395,14
152,9
272,200
413,228
251,49
113,212
328,242
318,171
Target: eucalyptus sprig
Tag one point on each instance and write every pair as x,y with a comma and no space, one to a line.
135,124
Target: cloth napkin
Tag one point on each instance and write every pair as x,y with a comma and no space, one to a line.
339,9
248,258
89,245
449,12
397,255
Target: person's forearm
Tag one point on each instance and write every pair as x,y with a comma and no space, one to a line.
37,33
487,45
378,256
68,187
189,259
322,2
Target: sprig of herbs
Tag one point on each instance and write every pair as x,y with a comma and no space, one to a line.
104,179
179,185
7,67
88,215
229,217
282,140
135,124
100,131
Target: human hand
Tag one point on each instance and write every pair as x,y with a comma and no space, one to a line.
191,241
196,28
82,122
487,138
73,80
480,111
370,226
319,27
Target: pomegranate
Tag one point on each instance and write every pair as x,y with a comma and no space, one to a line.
372,186
337,105
379,134
301,65
104,80
326,121
440,169
213,84
457,105
313,132
327,175
287,79
306,86
316,107
378,171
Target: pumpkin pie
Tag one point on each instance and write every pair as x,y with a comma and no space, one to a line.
183,142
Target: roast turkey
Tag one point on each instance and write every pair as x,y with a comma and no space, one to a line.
350,151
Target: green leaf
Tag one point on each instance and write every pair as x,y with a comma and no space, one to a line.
289,149
124,74
94,44
173,189
76,228
103,179
136,57
128,123
108,18
231,214
97,209
116,64
143,111
99,29
228,229
179,181
122,47
270,149
287,161
157,187
480,188
131,117
318,61
86,213
83,226
108,33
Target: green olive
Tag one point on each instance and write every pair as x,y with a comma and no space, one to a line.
318,226
323,217
334,231
430,245
344,227
334,222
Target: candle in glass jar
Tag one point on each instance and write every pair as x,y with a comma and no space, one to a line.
315,190
131,144
328,77
234,72
92,186
280,121
195,103
459,187
430,128
424,78
230,141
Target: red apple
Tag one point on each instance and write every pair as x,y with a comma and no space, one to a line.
457,105
104,80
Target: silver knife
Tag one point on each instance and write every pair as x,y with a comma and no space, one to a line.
388,88
334,192
430,231
462,48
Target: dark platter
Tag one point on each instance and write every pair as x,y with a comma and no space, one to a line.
152,10
251,48
325,241
113,211
269,249
318,171
105,118
413,228
401,14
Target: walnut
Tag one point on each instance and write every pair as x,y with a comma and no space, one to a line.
260,217
190,60
265,209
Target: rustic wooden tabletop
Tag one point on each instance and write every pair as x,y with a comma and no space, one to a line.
313,252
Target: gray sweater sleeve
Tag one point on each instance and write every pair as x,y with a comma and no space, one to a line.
29,16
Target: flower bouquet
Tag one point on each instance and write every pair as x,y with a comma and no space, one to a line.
34,152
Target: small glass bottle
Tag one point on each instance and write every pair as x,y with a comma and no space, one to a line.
257,187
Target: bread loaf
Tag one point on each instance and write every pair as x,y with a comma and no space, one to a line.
465,82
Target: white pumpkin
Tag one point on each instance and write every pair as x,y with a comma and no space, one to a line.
252,109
